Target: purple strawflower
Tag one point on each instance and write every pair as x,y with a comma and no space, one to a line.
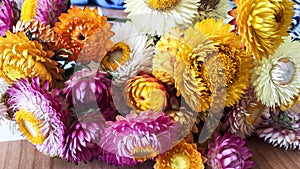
137,137
81,141
48,11
91,90
229,151
44,106
9,15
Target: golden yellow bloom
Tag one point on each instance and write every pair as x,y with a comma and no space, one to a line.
237,65
30,126
118,55
262,23
22,58
145,93
84,29
28,10
198,72
165,55
182,156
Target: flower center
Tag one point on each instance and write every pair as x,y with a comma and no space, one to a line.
255,111
162,5
143,153
283,71
30,126
180,162
118,55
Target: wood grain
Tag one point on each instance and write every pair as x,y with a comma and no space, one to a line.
22,155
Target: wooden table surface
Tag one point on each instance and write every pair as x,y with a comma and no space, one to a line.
22,155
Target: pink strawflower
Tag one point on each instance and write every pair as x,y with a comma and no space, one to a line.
229,151
9,15
81,141
48,11
91,90
37,99
281,129
137,137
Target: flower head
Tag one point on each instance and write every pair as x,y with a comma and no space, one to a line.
80,29
3,112
229,151
145,93
295,29
237,66
165,55
138,136
22,58
82,138
281,129
262,23
9,15
90,90
48,11
184,156
131,53
161,15
36,109
276,79
245,114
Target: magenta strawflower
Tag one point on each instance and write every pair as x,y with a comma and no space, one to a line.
81,141
91,90
31,101
9,15
229,151
281,129
137,137
48,11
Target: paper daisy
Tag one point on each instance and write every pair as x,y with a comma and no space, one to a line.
37,110
276,79
3,112
229,151
87,90
245,114
3,87
82,139
183,156
160,15
236,64
165,55
145,93
131,53
281,129
262,23
139,136
84,28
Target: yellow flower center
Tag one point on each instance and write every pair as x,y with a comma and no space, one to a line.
283,71
13,73
162,5
143,153
118,55
180,161
30,126
255,111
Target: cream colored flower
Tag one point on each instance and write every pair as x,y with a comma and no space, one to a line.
277,79
157,16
